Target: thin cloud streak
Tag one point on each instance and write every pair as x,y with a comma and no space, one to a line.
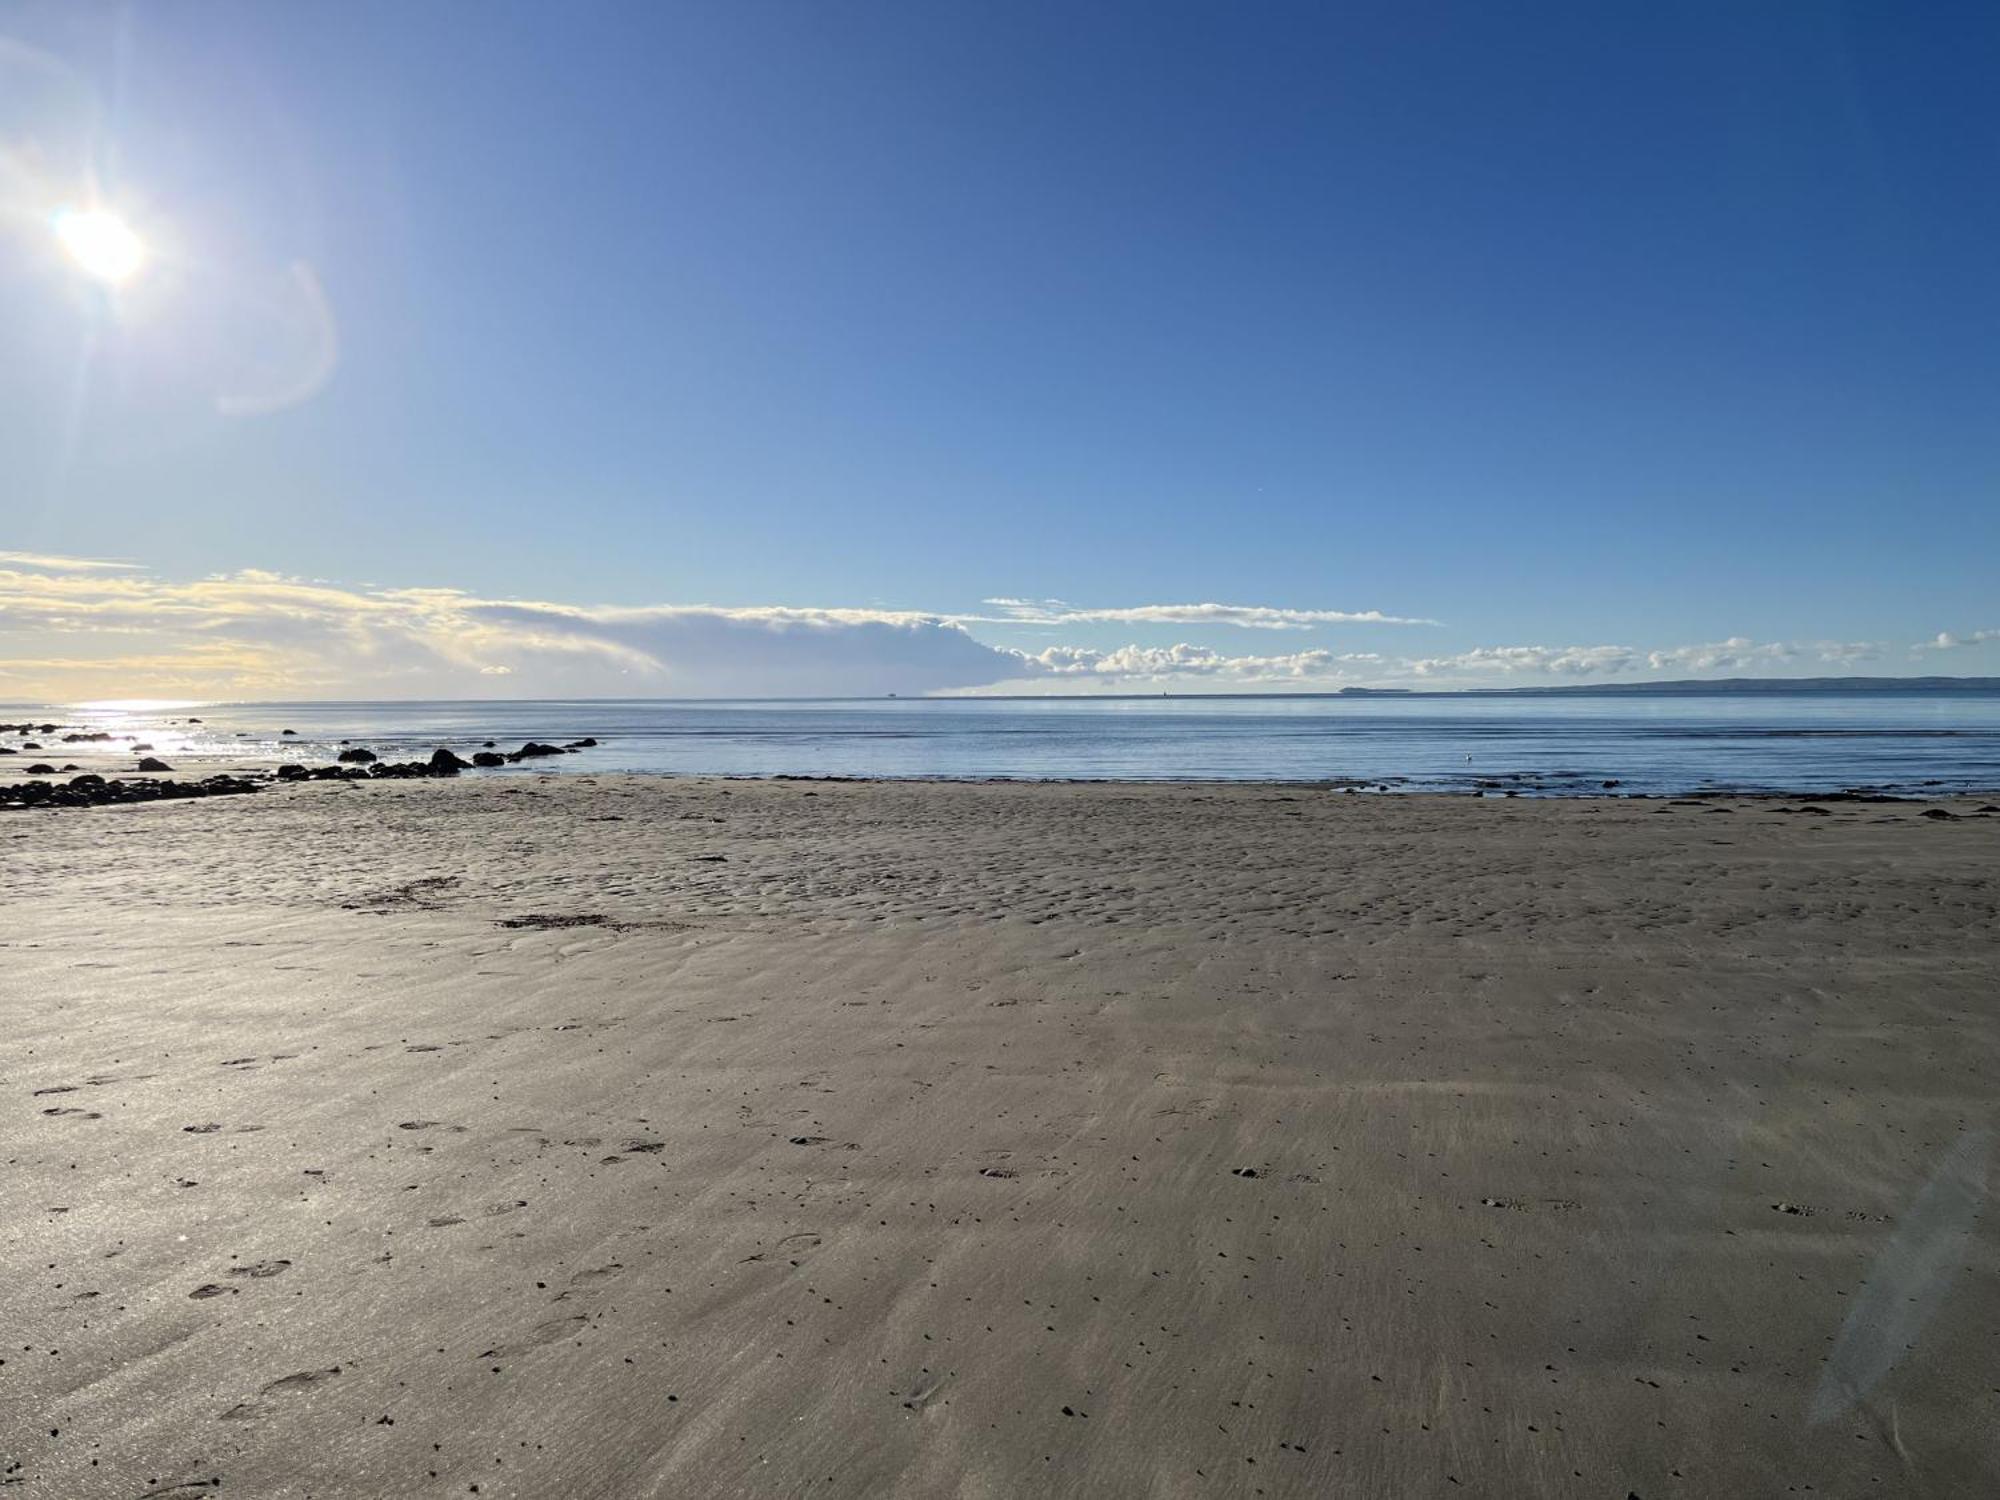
57,564
1243,616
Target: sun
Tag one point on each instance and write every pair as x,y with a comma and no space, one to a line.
102,244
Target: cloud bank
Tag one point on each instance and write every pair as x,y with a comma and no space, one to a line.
88,628
257,634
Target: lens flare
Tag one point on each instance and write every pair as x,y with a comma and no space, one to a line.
100,243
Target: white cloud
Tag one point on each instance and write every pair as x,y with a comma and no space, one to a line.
57,564
1736,654
1244,616
1555,661
1946,640
1142,665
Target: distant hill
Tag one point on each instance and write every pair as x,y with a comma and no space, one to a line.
1773,685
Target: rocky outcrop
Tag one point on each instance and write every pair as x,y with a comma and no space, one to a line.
354,763
95,791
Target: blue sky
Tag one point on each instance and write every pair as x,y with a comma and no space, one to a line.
704,348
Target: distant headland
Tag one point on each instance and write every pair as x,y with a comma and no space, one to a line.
1767,685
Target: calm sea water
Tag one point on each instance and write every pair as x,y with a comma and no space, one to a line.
1547,745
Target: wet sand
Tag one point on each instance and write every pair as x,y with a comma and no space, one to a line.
536,1136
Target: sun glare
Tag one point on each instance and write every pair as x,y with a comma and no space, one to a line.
102,244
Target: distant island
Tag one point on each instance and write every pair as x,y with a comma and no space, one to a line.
1768,685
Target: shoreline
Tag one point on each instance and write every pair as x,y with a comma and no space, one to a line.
1876,744
97,789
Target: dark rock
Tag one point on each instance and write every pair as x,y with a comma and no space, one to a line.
488,744
488,758
283,731
85,736
587,743
30,745
40,769
194,721
533,749
8,750
449,766
94,791
291,773
356,757
151,763
138,749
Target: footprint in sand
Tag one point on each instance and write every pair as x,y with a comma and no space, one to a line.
261,1270
583,1280
304,1380
553,1331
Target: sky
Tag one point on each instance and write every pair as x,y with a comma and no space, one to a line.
661,349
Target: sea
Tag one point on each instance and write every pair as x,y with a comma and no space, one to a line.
1914,744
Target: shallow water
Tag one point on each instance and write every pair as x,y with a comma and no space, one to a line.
1540,745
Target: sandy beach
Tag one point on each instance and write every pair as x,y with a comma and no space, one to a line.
636,1137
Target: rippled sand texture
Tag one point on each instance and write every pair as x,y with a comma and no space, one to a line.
648,1138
